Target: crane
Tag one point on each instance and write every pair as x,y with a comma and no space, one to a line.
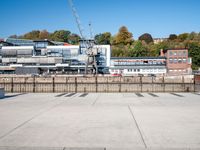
86,44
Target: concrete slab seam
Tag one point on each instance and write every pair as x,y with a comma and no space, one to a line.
35,116
96,100
132,114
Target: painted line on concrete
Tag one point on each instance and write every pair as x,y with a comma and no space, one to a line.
196,94
59,95
70,95
84,95
139,94
153,95
175,94
132,114
11,96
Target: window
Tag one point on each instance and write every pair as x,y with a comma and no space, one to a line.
184,60
171,53
179,60
179,53
184,53
189,60
175,53
170,60
175,60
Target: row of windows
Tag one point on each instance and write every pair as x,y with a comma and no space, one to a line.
140,63
133,70
145,70
175,61
178,53
177,70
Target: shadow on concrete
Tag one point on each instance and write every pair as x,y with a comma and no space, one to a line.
11,96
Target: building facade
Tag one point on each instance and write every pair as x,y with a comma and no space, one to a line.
46,56
177,61
134,66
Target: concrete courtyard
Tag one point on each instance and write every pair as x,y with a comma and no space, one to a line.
100,121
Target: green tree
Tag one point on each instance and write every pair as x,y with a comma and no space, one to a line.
74,39
183,37
61,36
123,37
103,38
138,50
146,37
173,37
155,48
194,52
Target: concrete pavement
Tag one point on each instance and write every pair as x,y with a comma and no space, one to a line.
100,121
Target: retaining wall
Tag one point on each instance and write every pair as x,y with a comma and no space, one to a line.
98,84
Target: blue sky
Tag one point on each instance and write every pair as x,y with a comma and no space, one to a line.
157,17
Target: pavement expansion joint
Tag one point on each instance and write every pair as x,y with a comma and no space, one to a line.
132,114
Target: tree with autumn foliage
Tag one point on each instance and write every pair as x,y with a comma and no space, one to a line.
123,37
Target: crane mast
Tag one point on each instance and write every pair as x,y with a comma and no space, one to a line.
87,44
77,18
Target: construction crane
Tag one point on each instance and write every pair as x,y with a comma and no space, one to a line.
87,45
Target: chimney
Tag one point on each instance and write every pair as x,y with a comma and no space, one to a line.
162,53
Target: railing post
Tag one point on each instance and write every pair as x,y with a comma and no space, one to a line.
53,85
33,84
75,84
12,85
141,84
120,85
96,82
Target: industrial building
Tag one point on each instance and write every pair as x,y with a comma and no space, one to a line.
19,56
44,56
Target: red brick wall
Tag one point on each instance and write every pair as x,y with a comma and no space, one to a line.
177,61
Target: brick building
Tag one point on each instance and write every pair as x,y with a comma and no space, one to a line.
177,61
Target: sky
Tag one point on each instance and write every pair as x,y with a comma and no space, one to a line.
157,17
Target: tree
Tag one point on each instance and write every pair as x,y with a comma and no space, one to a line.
44,34
194,52
103,38
33,35
155,48
123,37
74,39
146,37
183,37
173,37
139,50
61,36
